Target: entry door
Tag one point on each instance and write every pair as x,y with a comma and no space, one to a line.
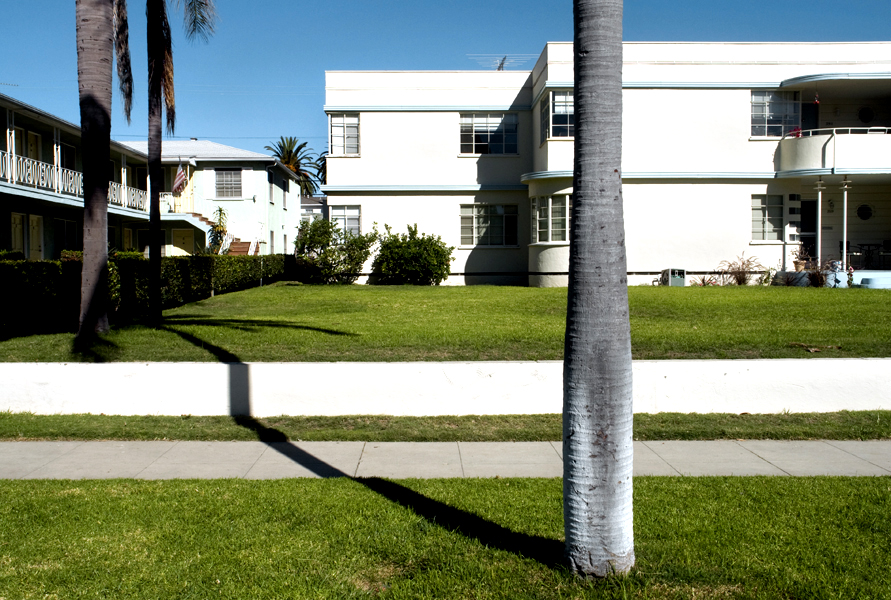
183,241
35,237
34,146
808,234
18,233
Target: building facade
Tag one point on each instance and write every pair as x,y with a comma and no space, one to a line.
760,149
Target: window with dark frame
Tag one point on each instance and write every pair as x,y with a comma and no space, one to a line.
489,133
489,225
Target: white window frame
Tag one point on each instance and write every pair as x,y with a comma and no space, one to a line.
557,105
550,218
347,217
490,225
489,133
775,113
767,217
343,131
233,188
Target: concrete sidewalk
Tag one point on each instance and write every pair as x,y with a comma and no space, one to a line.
259,460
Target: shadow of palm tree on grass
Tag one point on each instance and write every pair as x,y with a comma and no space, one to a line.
547,551
249,325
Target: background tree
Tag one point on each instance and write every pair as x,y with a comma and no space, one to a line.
597,415
322,168
101,27
299,159
199,21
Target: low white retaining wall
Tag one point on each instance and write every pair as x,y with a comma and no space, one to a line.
431,388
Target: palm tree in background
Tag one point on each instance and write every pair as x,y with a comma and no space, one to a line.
199,20
299,159
102,34
597,415
322,168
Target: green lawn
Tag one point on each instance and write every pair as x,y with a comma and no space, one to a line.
707,537
860,425
291,322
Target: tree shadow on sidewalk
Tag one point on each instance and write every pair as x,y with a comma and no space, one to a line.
547,551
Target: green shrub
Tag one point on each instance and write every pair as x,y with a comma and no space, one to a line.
412,258
11,255
41,297
325,253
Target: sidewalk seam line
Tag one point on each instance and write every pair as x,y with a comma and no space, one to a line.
174,445
461,460
762,458
662,458
359,462
266,448
869,462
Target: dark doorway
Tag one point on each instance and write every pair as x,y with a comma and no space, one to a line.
808,234
810,118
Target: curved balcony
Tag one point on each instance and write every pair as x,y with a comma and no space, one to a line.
840,150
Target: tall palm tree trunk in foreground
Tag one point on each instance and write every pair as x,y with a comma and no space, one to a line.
597,415
156,26
95,51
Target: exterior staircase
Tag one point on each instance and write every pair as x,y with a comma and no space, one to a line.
236,247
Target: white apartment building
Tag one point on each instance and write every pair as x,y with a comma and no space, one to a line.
728,148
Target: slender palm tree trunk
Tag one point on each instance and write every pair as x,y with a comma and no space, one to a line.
95,52
597,411
156,54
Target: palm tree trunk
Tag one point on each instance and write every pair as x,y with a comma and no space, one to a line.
597,409
95,52
156,55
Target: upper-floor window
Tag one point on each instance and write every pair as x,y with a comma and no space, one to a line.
550,218
344,134
557,115
767,217
489,225
775,114
228,183
489,133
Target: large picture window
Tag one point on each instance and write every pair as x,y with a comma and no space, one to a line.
489,225
228,183
550,218
774,114
489,133
344,134
767,217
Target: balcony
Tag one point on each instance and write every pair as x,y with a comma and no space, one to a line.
865,150
30,173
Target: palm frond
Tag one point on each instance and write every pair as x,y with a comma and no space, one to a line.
200,18
167,75
122,54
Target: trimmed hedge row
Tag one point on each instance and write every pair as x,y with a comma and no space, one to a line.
44,296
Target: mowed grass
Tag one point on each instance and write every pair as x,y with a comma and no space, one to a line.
706,537
294,323
845,425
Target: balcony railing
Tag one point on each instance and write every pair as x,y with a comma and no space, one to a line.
861,148
31,173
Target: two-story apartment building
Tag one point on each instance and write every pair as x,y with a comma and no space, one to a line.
728,148
252,188
41,191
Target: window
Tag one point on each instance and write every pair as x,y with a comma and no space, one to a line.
344,134
487,133
285,185
228,183
550,218
346,217
767,217
489,225
775,114
557,115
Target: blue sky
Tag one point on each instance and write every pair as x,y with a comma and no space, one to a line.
262,75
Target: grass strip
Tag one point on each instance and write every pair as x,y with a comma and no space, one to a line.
845,425
287,322
702,537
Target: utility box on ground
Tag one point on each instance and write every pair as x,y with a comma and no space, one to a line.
673,277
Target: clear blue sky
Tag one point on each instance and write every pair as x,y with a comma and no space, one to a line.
263,74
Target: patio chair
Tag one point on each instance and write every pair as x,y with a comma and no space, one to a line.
853,259
885,254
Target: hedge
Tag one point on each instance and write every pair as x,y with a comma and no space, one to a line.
44,296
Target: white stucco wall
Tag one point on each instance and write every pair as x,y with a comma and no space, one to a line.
270,389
